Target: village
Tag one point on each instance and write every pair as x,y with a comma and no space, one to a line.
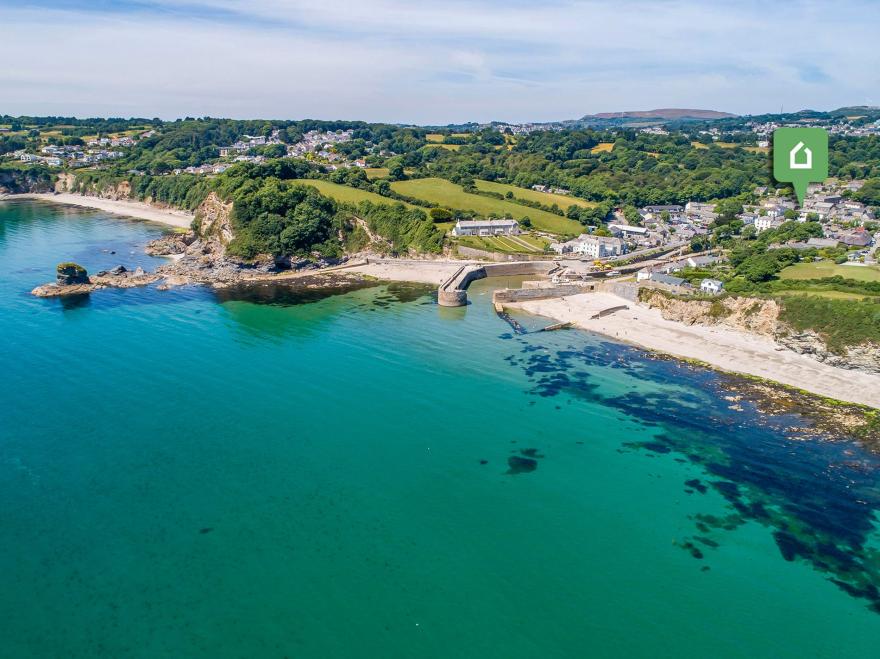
648,248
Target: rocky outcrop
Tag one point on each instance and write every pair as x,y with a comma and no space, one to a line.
214,220
173,244
865,357
70,274
72,279
743,313
760,316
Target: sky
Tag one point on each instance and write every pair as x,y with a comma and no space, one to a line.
433,62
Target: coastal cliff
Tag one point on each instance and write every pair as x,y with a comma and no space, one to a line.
762,317
18,181
214,220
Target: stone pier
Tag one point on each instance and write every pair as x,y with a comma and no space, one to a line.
453,291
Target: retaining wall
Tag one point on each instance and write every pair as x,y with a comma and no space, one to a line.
626,290
508,295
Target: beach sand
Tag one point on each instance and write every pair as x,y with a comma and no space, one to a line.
136,209
724,348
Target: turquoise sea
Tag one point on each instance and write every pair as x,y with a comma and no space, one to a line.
262,473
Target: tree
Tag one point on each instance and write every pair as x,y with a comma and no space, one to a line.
632,215
395,171
440,214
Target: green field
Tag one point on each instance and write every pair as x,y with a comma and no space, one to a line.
546,198
450,195
349,195
831,295
820,269
448,147
376,172
506,244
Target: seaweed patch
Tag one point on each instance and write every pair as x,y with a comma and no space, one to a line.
806,479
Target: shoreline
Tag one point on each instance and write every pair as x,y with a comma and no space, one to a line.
124,208
721,348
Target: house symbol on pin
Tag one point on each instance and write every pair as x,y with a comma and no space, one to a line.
793,157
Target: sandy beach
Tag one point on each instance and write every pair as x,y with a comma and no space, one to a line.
724,348
136,209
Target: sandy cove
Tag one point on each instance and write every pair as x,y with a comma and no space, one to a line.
723,348
126,208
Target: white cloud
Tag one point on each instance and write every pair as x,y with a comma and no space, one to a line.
434,61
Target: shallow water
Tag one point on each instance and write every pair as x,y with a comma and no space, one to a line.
185,473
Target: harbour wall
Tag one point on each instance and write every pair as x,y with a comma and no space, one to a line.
453,291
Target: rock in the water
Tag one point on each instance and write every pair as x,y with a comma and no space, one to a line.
118,270
520,465
69,274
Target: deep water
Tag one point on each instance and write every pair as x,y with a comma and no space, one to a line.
359,473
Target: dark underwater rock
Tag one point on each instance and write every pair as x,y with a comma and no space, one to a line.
520,465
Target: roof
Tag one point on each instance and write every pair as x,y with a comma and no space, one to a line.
704,260
627,228
712,282
485,223
668,279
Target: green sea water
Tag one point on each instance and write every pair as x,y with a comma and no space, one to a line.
262,473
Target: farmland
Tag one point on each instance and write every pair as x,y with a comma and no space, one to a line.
450,195
346,194
603,147
546,198
820,269
376,172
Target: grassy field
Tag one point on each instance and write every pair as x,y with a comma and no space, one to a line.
450,195
349,195
830,295
506,244
376,172
820,269
434,137
757,149
603,147
546,198
449,147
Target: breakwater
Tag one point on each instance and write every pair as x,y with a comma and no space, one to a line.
453,291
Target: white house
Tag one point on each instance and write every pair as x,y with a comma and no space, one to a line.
505,227
598,247
764,222
627,230
711,286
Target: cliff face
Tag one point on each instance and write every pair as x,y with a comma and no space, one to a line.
15,181
120,191
742,313
761,317
214,220
865,357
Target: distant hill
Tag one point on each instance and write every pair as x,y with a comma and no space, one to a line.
662,113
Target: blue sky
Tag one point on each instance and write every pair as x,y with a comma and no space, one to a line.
423,62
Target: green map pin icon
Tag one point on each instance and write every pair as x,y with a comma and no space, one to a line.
800,157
